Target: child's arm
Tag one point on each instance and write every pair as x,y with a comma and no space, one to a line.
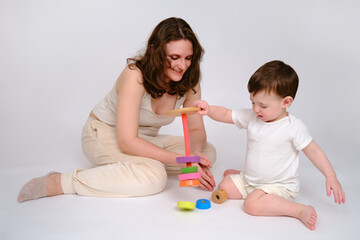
319,159
216,113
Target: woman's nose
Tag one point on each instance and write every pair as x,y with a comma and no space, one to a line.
182,64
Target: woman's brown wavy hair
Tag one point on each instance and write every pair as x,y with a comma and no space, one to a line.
153,62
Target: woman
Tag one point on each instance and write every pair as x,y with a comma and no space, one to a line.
121,134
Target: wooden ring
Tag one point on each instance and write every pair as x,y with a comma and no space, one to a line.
179,111
219,196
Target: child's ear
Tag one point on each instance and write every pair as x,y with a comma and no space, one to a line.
287,101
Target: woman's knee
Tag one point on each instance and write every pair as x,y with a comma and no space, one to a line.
159,181
152,180
210,152
129,178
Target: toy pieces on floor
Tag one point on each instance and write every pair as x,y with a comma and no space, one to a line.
200,204
219,196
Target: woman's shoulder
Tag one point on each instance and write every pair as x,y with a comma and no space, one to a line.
132,72
130,76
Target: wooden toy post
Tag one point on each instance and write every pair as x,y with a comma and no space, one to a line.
190,175
186,137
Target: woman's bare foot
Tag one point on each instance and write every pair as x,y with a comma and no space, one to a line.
45,186
307,215
231,171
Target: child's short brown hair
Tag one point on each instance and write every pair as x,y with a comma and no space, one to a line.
275,76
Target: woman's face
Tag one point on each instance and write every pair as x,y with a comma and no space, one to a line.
179,54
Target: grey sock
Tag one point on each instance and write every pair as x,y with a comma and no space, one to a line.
35,188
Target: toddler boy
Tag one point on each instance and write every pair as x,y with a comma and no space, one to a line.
270,180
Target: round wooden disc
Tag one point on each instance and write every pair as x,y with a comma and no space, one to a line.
219,196
177,112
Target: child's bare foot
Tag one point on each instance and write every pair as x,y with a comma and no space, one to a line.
231,171
307,215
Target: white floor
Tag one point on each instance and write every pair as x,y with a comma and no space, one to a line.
156,217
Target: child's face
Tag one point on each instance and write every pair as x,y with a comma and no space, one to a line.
269,107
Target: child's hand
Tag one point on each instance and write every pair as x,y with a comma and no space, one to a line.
204,107
333,184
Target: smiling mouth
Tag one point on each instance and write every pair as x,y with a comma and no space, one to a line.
177,71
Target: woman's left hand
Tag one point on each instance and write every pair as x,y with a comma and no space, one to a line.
207,181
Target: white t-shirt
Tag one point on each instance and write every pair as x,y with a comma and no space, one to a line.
272,153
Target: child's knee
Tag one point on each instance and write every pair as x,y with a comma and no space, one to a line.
223,184
253,205
229,187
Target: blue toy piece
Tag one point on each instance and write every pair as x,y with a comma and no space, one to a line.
203,204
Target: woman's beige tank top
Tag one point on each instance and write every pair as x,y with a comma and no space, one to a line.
149,122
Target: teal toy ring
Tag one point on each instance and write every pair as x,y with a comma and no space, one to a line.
203,204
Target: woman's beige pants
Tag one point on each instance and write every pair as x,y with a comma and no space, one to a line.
117,174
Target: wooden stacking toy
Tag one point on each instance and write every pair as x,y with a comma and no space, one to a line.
190,175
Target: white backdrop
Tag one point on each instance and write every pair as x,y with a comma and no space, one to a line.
58,58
